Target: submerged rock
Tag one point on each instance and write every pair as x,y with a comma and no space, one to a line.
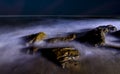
96,37
63,39
64,55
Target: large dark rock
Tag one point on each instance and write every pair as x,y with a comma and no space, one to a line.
62,56
96,36
66,55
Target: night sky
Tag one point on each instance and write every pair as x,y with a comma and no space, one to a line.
59,7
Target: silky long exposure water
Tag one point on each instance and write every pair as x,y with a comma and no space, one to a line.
93,60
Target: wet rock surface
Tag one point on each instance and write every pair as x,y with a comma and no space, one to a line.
96,36
66,56
61,56
33,38
62,39
107,28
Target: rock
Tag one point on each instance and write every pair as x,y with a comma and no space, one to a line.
63,39
64,55
96,37
107,28
36,37
63,52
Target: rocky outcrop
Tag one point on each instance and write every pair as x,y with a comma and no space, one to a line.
96,37
62,39
107,28
66,56
33,38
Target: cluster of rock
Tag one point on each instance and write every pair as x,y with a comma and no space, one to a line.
69,56
66,56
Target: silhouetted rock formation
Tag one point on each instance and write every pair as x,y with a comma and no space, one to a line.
96,37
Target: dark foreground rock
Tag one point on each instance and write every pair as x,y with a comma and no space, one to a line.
67,56
63,56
